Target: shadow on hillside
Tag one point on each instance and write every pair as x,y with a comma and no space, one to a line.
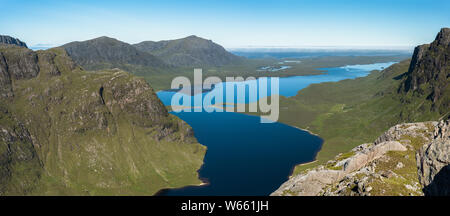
440,186
399,77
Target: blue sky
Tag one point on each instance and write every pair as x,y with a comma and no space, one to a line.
231,23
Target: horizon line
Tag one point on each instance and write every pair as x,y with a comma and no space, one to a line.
328,47
291,48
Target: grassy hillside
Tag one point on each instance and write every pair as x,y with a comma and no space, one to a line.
67,131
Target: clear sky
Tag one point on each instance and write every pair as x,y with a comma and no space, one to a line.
231,23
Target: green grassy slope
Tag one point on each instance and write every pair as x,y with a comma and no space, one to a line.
93,133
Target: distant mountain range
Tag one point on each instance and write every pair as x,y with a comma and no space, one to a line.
192,51
189,51
105,52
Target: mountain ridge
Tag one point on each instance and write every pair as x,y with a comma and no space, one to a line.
189,51
4,39
109,53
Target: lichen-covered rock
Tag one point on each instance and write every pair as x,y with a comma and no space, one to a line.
369,154
433,162
398,131
385,167
312,183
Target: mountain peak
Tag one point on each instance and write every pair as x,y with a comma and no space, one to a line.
4,39
428,73
103,39
189,51
195,37
443,37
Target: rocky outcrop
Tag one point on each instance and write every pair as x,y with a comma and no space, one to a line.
190,51
397,132
20,167
433,162
21,63
314,181
5,79
105,52
429,71
137,98
386,167
368,154
11,41
18,63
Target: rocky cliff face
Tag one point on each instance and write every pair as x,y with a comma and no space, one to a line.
429,72
66,131
21,64
20,167
105,52
190,51
12,41
433,161
386,167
